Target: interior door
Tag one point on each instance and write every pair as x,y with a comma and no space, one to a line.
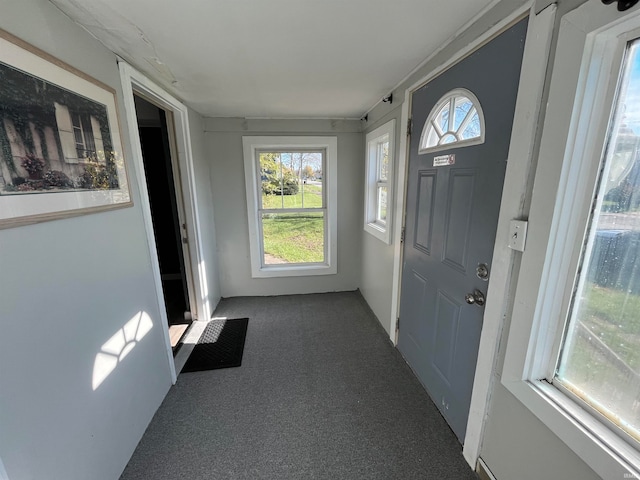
159,154
453,201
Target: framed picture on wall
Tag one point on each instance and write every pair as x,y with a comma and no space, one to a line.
60,147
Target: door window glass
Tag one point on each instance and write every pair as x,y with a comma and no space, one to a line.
456,120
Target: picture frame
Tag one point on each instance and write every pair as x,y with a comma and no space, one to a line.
60,145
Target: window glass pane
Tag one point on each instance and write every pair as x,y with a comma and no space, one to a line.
293,237
600,359
382,205
472,130
448,139
291,180
87,129
463,105
432,139
383,160
77,133
272,181
442,118
310,179
310,194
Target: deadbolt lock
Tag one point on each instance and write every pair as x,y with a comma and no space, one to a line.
477,298
482,271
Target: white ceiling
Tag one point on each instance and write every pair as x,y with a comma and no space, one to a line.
275,58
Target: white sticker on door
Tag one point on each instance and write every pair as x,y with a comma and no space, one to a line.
444,160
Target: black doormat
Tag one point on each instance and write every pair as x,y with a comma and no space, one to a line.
220,346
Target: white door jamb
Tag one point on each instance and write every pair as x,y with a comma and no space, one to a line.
132,80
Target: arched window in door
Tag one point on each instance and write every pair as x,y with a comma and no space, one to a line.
455,121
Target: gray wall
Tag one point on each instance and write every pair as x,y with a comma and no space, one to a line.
516,445
67,286
376,273
224,144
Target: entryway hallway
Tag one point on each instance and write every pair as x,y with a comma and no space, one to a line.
321,394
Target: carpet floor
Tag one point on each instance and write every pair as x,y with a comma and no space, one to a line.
321,394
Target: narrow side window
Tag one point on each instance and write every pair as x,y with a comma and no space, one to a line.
378,182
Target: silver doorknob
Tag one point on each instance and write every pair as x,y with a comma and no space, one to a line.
477,297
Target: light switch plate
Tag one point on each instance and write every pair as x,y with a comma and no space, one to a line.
517,234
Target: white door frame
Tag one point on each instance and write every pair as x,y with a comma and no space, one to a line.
134,81
530,89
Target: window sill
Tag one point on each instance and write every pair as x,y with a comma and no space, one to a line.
273,271
607,454
382,234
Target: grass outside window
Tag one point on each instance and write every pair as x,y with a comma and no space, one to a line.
293,238
308,196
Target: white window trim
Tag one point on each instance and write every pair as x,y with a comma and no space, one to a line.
380,231
588,46
330,179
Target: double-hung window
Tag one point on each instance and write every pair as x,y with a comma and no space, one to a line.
291,200
83,134
573,355
379,173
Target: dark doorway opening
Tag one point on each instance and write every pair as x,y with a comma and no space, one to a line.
153,128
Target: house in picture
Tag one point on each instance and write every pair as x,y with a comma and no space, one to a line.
51,143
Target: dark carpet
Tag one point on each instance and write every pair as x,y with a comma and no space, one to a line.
322,394
220,346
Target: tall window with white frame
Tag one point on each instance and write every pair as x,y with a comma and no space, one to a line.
573,350
291,205
599,361
379,172
291,208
